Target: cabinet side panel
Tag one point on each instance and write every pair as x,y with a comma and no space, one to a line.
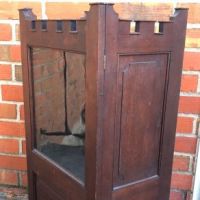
142,87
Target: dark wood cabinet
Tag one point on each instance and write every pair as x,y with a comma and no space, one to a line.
101,99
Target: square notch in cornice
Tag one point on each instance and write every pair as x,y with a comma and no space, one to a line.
158,27
73,26
134,27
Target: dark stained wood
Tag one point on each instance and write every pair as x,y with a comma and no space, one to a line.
140,190
56,178
176,62
27,15
95,46
142,88
45,192
38,164
105,164
65,39
132,92
143,40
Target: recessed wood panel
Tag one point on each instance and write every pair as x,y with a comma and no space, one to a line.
141,88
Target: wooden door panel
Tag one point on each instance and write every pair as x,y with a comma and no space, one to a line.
44,192
56,178
142,87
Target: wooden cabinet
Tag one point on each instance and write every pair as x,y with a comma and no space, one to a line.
101,99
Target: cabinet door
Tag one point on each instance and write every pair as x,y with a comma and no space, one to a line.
58,107
142,88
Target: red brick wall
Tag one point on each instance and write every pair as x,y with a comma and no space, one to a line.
12,134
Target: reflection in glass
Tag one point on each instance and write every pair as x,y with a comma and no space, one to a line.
59,107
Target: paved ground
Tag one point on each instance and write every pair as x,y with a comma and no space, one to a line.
7,193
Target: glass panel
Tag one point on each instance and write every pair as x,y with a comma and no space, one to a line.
59,107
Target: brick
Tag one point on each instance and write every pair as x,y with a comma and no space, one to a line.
12,129
186,144
9,146
21,112
66,10
24,147
144,11
24,179
9,9
8,111
193,14
13,162
193,33
189,83
184,125
18,72
5,72
5,32
4,52
191,61
176,195
17,32
8,177
189,105
192,43
10,53
44,56
181,163
15,53
192,38
181,181
12,93
13,193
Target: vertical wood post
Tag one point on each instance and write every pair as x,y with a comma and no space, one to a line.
95,47
175,72
105,179
25,16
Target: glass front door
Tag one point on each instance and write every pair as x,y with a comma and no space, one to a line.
59,107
